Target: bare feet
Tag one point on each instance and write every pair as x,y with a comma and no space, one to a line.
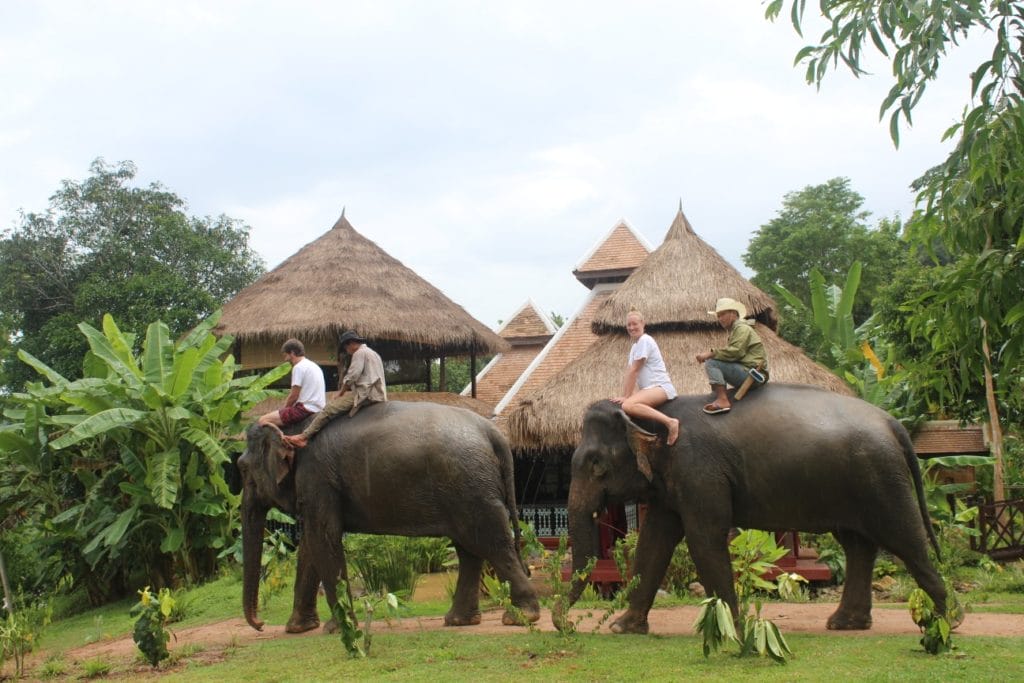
296,441
673,431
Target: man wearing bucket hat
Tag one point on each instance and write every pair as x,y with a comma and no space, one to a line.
363,383
742,356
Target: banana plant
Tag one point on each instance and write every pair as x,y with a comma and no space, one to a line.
144,436
831,310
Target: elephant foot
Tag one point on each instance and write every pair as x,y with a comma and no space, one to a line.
841,621
520,617
302,623
452,619
630,623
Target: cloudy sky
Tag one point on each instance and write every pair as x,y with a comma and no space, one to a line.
486,145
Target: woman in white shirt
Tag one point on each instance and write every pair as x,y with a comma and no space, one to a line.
647,384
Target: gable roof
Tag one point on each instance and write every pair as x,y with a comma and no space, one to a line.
614,256
342,281
527,331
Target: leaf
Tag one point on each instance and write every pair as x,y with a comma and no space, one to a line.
180,379
42,368
172,541
115,532
103,349
156,358
200,331
163,478
100,423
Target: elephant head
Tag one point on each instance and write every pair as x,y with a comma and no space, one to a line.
612,464
267,481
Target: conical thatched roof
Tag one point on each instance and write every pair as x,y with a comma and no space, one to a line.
344,281
550,418
678,284
674,288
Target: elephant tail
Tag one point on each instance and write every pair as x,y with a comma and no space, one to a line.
508,481
915,470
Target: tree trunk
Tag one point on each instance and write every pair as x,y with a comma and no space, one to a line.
996,430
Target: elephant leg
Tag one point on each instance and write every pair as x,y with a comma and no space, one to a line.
709,548
915,556
495,544
329,561
307,582
854,612
661,532
465,609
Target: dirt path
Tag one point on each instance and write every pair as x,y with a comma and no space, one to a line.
790,617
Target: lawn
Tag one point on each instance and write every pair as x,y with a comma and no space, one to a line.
448,654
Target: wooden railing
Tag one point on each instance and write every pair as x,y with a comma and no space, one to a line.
1001,527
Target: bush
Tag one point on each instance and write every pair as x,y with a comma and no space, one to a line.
387,564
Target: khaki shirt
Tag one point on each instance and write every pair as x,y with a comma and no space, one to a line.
365,377
744,347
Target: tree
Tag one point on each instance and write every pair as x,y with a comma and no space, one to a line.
973,202
123,469
822,228
104,246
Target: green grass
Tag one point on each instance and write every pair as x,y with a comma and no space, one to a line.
450,656
461,654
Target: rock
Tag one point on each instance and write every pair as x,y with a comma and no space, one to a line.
697,590
884,584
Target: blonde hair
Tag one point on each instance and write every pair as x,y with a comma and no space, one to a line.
635,312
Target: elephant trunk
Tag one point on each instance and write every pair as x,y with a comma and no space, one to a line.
254,519
583,535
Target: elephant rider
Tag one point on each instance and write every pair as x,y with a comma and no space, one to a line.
646,385
307,395
363,383
742,355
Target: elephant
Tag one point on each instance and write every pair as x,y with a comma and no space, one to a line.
786,457
401,468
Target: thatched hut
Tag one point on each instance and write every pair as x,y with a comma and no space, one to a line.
341,281
674,288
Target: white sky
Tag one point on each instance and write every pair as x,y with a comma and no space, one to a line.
485,145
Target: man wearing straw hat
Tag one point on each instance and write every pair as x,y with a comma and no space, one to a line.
363,383
742,356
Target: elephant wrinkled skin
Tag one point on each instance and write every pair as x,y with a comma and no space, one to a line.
786,457
408,469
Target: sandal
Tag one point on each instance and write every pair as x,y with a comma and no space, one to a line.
715,409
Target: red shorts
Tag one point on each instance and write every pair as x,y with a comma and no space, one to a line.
296,412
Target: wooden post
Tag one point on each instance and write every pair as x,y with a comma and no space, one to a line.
748,382
472,372
442,376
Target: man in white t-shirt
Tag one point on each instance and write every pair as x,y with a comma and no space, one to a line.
308,394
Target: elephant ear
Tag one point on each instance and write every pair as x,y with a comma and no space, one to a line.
285,453
643,444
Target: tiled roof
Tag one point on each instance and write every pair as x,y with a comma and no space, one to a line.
621,248
947,437
497,378
528,321
572,339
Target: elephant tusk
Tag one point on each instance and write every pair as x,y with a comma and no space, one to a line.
593,515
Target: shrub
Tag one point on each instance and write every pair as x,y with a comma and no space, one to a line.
150,634
385,564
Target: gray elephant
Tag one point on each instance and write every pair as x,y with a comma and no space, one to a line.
408,469
786,457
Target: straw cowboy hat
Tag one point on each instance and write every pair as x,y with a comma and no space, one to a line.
727,304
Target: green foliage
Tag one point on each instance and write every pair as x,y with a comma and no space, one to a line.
103,246
20,631
559,589
824,227
935,627
150,634
392,563
278,562
95,668
123,469
681,571
753,553
357,641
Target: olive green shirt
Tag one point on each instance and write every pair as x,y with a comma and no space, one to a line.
744,347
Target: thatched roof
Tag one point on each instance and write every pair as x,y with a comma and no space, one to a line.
550,418
676,286
344,281
442,397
